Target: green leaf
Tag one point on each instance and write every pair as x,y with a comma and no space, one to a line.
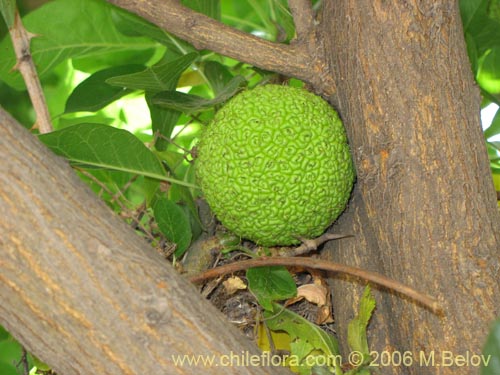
69,29
192,103
132,25
283,20
306,335
491,352
356,332
4,335
8,369
488,75
270,284
11,353
494,128
471,10
478,24
494,9
472,52
210,8
163,121
161,76
102,146
94,93
217,75
173,223
8,10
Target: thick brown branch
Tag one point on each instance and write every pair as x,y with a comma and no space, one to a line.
84,293
373,277
204,32
21,41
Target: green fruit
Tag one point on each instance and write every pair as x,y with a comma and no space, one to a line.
274,165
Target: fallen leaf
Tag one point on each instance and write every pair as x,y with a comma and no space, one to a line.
233,284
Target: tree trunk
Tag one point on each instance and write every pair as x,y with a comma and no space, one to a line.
83,292
424,208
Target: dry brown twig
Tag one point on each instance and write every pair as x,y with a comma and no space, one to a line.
21,41
319,264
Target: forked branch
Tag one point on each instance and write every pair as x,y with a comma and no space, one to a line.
300,59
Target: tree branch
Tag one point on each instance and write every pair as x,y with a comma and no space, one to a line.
303,17
299,59
21,41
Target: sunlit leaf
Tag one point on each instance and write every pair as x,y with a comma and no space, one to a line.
94,93
102,146
488,75
77,28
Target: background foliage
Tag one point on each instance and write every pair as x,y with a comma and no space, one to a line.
129,101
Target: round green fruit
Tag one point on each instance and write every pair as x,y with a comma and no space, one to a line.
274,165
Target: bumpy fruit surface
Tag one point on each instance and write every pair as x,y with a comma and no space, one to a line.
275,166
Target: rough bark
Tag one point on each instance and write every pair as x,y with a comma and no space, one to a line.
424,210
82,291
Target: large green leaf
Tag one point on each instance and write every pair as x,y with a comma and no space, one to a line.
102,146
94,93
69,29
161,76
192,103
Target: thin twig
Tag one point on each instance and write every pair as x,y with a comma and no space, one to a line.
373,277
299,60
21,40
23,362
312,244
